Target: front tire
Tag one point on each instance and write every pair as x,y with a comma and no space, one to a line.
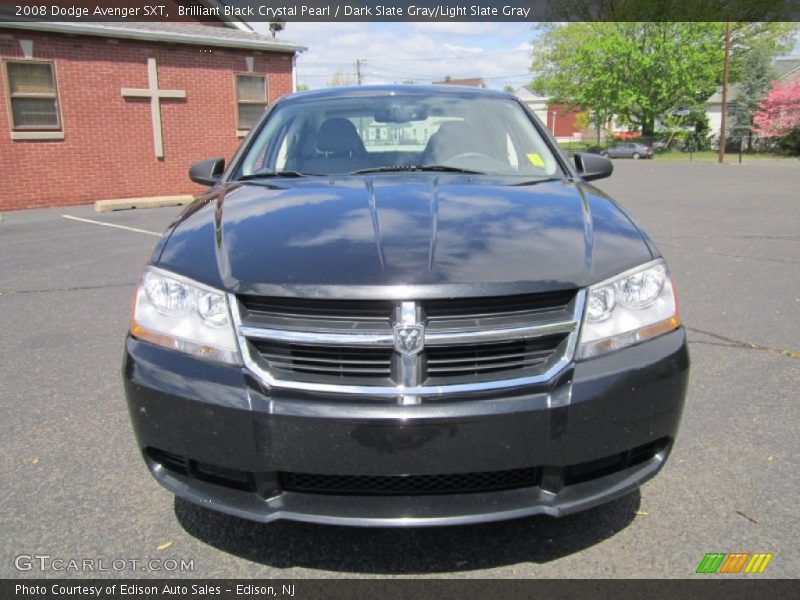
636,156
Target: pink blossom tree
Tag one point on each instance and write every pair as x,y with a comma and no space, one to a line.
779,112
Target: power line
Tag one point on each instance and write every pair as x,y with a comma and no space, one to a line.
475,54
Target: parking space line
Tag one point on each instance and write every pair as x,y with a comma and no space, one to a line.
134,229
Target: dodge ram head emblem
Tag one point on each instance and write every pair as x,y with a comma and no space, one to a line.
409,339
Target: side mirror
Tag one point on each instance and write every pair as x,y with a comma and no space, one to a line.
207,172
593,166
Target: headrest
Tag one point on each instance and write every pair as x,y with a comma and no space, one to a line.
339,136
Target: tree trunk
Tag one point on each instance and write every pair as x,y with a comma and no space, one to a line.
597,122
648,125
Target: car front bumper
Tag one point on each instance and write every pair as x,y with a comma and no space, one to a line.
212,434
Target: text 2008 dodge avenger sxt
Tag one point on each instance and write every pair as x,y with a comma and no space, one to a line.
401,305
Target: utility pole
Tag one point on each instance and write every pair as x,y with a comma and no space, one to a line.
724,107
359,62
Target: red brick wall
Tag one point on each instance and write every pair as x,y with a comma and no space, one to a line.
107,151
564,118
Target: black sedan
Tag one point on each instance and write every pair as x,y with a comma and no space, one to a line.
401,306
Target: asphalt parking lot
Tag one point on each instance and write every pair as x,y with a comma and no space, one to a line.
75,487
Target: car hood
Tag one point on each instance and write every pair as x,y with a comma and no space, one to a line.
431,235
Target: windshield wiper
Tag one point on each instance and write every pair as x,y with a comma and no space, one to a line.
542,180
269,174
417,168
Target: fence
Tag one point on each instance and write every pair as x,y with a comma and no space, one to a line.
666,144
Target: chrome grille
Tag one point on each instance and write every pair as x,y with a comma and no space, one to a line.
479,360
406,349
328,362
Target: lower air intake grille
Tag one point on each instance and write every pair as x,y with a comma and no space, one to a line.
409,485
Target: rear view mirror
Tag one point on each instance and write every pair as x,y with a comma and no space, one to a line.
207,172
593,166
400,113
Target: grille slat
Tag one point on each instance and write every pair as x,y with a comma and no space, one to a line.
479,308
298,358
303,308
478,368
492,357
295,366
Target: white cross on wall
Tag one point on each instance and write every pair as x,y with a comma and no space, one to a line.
155,96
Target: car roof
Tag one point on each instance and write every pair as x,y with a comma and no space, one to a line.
420,90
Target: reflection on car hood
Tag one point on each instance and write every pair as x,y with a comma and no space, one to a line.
435,233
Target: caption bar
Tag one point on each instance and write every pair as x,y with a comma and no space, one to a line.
421,10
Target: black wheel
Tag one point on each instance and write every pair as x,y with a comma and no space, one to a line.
636,156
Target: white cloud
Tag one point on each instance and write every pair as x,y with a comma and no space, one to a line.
455,28
421,52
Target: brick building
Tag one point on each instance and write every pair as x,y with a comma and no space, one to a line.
560,119
120,110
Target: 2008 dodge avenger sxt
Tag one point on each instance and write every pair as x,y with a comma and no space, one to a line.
402,305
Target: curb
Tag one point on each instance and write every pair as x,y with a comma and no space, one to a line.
147,202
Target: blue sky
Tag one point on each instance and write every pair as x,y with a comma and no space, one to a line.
423,52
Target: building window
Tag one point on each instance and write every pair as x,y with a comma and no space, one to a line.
33,96
251,99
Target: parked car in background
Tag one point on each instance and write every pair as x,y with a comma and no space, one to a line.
628,150
402,306
660,146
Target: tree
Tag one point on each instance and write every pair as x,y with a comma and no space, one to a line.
761,40
340,79
276,26
755,76
302,87
644,71
509,88
637,71
778,116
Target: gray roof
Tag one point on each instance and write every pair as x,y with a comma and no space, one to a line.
786,64
527,95
177,33
733,94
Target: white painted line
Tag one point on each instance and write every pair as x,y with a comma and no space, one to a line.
134,229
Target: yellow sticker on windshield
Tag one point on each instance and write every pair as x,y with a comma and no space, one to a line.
535,159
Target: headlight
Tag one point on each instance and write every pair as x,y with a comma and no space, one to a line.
183,315
635,306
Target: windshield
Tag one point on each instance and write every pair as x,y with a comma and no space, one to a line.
394,131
